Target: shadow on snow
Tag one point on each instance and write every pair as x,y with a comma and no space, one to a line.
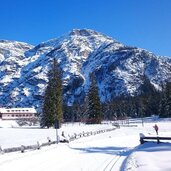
122,151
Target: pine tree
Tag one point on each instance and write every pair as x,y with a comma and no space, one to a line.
94,106
52,105
162,106
165,103
148,98
168,99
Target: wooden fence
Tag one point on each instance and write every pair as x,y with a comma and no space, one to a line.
146,139
37,145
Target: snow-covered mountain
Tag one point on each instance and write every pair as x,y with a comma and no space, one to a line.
119,69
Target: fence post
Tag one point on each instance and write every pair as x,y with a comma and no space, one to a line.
22,148
158,140
141,138
49,140
38,145
1,151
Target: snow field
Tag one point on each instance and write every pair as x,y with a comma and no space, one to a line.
118,150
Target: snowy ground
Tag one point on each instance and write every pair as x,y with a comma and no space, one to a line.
118,150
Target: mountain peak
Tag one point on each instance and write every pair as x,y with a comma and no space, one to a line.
83,32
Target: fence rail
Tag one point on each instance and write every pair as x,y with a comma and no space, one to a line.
144,139
86,134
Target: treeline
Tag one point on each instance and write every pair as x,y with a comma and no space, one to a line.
148,102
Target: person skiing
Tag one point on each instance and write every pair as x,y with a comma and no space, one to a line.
156,128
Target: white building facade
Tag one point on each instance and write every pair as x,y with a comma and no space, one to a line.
17,113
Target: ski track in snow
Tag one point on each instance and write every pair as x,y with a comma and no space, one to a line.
116,163
110,164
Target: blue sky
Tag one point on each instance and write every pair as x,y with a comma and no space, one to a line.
141,23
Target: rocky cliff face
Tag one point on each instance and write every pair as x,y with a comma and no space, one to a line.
119,69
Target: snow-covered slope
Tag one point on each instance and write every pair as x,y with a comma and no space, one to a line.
12,61
119,69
